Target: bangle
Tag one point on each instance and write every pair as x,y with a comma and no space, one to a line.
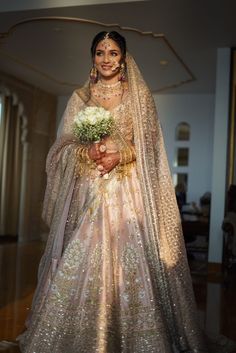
127,155
82,154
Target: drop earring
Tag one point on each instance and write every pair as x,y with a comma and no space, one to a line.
93,75
122,77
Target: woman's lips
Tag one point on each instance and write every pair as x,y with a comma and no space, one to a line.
106,67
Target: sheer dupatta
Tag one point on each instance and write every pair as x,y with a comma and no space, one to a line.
166,248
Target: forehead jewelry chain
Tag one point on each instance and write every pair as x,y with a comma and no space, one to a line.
105,42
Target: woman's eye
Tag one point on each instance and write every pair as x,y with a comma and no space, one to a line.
98,53
114,54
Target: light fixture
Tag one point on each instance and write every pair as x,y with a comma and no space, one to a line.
164,62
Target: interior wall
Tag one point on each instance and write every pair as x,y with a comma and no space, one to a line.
221,118
198,111
40,110
61,105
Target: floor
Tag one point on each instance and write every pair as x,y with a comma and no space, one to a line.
215,296
18,273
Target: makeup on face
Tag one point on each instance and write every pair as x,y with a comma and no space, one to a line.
107,58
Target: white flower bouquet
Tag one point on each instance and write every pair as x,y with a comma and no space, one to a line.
92,124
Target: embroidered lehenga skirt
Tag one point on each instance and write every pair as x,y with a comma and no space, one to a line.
110,291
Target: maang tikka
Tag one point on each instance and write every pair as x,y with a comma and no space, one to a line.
105,40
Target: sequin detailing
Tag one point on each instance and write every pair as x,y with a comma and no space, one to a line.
114,277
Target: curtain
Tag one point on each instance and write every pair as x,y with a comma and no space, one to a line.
10,166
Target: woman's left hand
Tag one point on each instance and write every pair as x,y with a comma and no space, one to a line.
108,162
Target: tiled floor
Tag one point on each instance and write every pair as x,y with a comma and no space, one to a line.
216,298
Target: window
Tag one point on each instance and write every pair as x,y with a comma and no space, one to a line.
182,132
180,179
182,157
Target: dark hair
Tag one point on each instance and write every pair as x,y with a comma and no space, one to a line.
117,37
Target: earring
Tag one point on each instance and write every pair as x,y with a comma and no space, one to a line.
122,72
93,75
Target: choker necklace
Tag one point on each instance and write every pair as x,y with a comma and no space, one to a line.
106,92
112,85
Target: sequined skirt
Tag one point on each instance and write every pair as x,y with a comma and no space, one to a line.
102,298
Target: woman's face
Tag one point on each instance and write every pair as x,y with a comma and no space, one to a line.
107,59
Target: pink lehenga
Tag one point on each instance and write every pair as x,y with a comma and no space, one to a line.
114,277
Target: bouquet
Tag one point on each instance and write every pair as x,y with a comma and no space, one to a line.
92,124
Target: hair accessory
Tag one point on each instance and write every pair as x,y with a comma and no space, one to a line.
105,43
106,36
93,75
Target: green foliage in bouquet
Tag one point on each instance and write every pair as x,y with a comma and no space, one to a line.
92,124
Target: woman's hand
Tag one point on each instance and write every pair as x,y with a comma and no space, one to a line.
108,162
95,152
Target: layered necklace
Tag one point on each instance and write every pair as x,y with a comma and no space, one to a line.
106,92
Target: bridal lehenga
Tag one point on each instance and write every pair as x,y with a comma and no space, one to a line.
114,277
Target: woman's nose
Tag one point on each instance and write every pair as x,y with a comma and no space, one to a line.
106,57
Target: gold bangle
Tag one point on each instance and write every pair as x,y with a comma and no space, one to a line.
127,155
82,154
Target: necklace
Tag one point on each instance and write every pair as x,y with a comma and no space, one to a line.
106,92
112,85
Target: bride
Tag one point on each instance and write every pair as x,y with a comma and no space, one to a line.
114,276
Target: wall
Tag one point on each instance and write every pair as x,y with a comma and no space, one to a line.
61,105
40,111
220,154
198,111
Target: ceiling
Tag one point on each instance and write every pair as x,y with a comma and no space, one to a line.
174,41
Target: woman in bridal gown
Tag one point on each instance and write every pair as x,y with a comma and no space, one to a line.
114,276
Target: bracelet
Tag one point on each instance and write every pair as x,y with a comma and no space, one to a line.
82,154
127,155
